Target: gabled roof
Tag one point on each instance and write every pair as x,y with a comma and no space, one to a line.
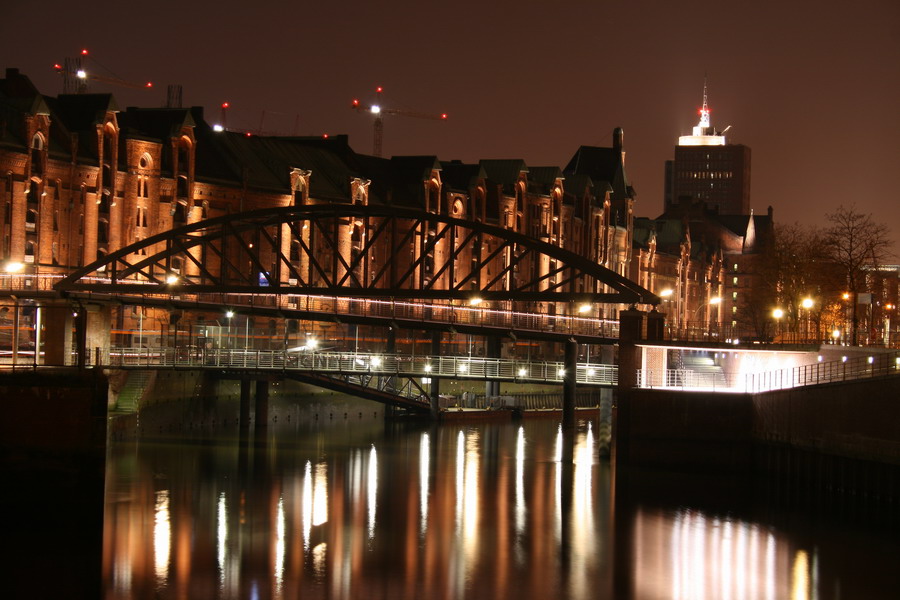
83,112
542,179
504,172
266,162
18,97
408,175
156,124
460,177
601,164
605,166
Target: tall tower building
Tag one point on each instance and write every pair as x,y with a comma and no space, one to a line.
708,169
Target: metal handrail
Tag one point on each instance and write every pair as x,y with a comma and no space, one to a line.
461,367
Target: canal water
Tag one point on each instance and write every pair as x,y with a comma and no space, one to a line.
350,507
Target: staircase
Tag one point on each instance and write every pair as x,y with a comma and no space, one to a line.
701,371
130,396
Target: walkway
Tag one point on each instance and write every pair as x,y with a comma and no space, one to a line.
360,363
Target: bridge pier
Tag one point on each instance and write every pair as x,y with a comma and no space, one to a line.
492,350
56,318
631,323
261,412
244,415
435,390
97,330
571,364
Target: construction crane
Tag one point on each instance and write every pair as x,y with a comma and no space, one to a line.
378,111
75,76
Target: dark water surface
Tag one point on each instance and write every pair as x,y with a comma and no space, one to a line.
347,509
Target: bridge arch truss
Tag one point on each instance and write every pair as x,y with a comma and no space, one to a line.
351,250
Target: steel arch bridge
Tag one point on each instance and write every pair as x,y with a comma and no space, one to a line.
353,251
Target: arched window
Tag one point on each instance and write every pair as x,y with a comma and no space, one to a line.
31,217
34,191
37,155
299,192
182,191
179,214
184,157
102,231
108,164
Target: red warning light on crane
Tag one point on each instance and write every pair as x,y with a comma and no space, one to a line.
443,115
84,52
379,89
224,105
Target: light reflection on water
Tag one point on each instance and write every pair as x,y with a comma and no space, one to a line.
457,511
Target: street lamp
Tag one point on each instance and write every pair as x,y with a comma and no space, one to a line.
13,266
777,314
228,315
806,303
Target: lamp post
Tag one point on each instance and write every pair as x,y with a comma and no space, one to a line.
228,315
806,304
666,294
777,314
714,301
888,308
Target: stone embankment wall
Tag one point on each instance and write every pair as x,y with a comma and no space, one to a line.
841,436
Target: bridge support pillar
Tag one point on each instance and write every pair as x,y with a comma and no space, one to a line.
571,365
630,325
656,322
435,391
390,348
99,325
56,319
492,350
261,414
244,416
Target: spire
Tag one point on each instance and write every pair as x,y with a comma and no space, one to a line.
704,111
703,133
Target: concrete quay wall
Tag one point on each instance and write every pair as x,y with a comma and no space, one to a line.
842,437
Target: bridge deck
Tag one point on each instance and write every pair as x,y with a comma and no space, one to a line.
362,363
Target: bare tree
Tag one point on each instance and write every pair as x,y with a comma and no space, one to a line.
793,268
854,243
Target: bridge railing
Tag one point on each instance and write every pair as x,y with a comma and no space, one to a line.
462,367
454,314
847,369
689,379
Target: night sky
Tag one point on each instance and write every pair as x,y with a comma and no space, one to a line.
812,87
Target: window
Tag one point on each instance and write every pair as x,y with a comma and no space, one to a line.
31,220
141,220
37,155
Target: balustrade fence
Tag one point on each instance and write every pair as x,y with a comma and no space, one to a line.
463,367
847,369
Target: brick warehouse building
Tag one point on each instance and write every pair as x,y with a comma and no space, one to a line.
82,178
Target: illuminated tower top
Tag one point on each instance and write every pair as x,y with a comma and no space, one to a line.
703,133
